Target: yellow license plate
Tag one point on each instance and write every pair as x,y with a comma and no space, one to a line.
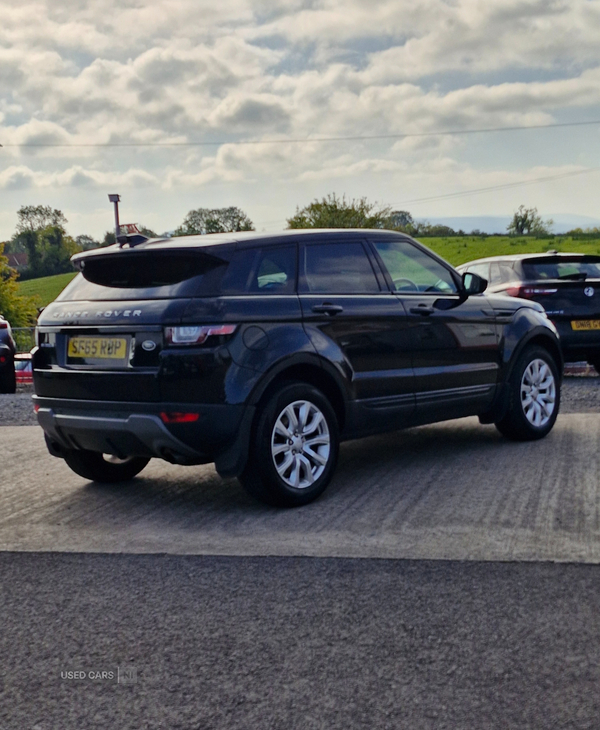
585,324
106,348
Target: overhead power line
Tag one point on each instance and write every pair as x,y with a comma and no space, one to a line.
504,186
303,140
475,191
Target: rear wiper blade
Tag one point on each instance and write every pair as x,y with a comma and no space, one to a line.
580,276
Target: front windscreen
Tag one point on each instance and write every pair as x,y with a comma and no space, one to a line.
146,275
563,268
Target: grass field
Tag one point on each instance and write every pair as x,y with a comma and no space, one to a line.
47,288
459,250
456,250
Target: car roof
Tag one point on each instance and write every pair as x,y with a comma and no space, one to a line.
531,256
242,239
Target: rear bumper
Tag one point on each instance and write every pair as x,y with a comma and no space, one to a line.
220,434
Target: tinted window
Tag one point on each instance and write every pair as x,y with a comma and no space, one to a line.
262,271
146,275
337,268
413,270
562,269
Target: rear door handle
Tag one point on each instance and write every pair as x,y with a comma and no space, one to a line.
422,309
326,308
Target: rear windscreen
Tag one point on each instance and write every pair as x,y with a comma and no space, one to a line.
146,275
563,268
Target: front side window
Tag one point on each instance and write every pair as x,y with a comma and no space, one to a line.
337,268
482,270
412,270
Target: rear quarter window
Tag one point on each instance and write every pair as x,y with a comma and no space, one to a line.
266,270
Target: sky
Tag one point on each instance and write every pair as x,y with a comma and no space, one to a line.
100,97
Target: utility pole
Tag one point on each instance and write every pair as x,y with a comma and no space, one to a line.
114,198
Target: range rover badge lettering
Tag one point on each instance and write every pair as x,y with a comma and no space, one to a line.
589,291
148,345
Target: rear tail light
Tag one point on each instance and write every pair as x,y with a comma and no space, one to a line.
3,325
197,334
179,417
529,292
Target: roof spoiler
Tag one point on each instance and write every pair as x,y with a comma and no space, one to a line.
131,240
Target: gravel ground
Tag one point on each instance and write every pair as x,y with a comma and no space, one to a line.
580,394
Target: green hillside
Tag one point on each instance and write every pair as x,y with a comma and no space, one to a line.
47,288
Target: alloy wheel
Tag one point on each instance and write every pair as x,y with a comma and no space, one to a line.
300,444
538,393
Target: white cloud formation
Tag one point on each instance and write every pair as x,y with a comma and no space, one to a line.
97,72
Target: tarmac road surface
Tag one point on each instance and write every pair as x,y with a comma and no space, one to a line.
228,623
452,491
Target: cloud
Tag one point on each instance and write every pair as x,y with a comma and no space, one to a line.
21,177
91,72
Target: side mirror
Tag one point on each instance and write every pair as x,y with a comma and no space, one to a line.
473,284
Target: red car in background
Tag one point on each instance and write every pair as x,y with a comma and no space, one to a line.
23,368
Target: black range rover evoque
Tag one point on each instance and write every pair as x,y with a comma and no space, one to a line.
261,352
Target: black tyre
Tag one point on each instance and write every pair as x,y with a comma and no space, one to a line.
8,380
104,467
533,396
294,447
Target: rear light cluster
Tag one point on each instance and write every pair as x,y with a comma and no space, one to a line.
528,292
3,325
197,334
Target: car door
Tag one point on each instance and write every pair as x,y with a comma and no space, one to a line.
354,321
455,344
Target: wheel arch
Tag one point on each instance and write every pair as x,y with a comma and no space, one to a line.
310,372
544,340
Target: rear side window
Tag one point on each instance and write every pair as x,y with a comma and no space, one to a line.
501,273
267,270
337,268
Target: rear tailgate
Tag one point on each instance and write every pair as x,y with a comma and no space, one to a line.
574,306
103,350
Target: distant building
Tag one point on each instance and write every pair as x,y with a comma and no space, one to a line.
18,261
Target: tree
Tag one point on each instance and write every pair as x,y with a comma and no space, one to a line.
334,212
41,231
527,221
86,242
403,220
214,220
20,311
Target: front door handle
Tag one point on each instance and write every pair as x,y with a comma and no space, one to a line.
422,309
327,308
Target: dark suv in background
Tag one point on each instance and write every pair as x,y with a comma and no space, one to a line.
261,352
8,382
567,285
